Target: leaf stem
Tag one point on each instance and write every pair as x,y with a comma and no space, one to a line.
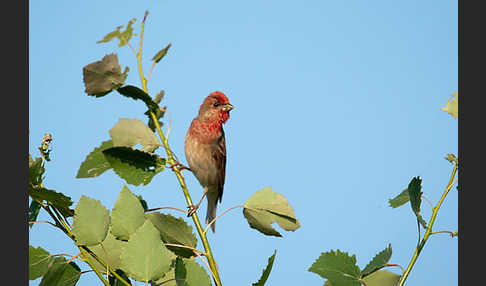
429,228
221,214
171,161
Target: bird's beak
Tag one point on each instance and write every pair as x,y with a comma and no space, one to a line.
227,107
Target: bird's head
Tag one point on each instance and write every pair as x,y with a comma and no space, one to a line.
215,108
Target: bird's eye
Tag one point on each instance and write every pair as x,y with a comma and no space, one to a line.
216,104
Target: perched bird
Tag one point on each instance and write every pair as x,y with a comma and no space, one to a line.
205,150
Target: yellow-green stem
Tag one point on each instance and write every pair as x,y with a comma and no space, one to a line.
429,228
180,177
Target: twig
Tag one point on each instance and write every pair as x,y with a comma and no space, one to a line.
161,208
42,221
397,265
218,216
429,228
430,203
205,263
445,231
185,246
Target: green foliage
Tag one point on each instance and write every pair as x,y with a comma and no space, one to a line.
190,273
137,93
379,261
399,200
452,105
61,273
101,77
38,262
91,221
266,271
161,54
134,166
95,163
415,194
53,270
145,257
123,37
338,267
127,215
266,207
58,200
109,251
452,159
36,170
382,278
174,231
129,132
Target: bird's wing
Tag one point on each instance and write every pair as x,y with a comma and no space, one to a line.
219,155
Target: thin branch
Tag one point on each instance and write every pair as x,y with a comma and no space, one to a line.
396,265
131,48
445,231
184,246
42,221
150,72
214,220
419,248
430,203
171,208
205,263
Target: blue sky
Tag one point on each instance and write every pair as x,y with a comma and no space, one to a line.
337,107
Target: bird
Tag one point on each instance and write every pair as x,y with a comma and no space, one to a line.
205,150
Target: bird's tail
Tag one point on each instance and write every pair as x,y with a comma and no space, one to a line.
211,212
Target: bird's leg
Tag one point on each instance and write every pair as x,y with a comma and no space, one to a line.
193,209
177,164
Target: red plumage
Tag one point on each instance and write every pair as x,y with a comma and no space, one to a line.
205,149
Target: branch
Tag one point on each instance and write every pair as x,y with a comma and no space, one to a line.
429,228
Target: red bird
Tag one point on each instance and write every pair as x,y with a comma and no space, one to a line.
205,150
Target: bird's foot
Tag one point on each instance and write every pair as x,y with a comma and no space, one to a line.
179,165
192,209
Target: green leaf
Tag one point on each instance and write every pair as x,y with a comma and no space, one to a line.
452,105
143,202
111,35
58,200
415,193
137,93
382,278
129,132
451,158
34,210
338,267
190,273
175,231
421,220
399,200
127,215
126,35
36,170
123,37
95,163
161,54
61,273
115,282
91,222
145,257
378,262
101,77
266,271
169,278
39,260
134,166
266,207
109,251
